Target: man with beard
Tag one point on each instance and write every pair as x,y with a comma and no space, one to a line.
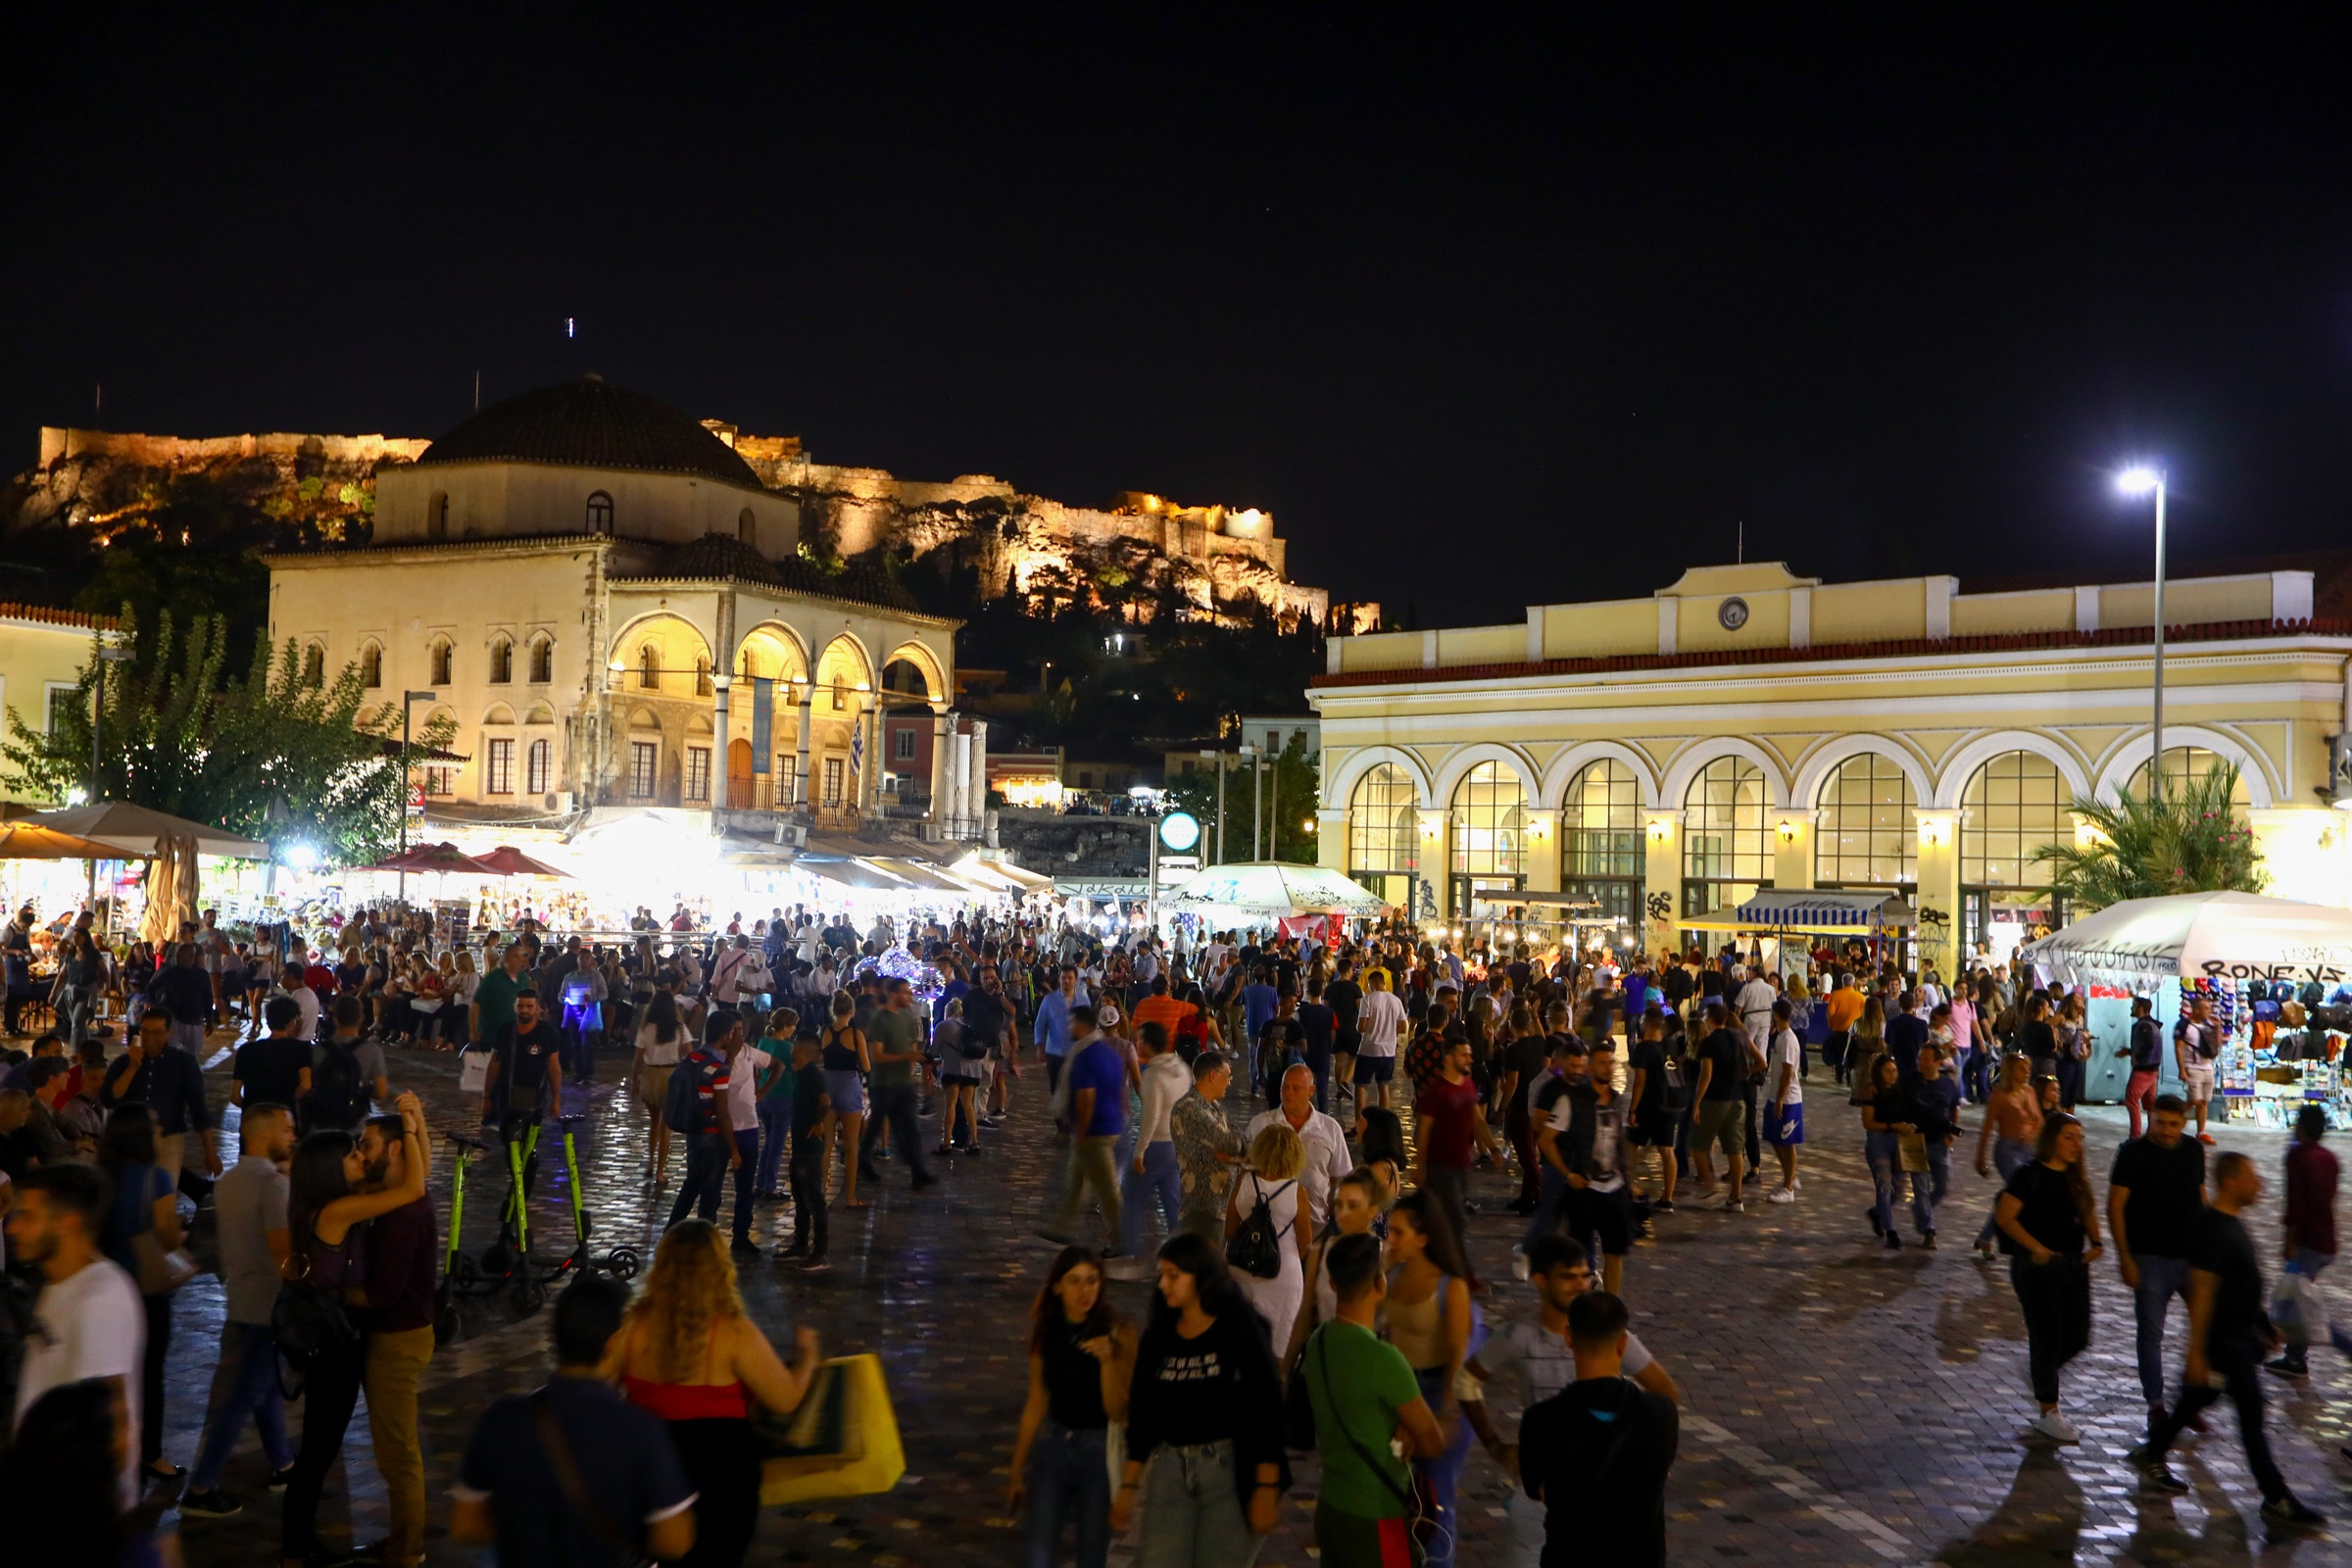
401,1269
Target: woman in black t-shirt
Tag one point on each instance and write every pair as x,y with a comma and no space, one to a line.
1081,1358
2050,1229
2037,1039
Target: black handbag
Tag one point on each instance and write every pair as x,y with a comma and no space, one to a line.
308,1323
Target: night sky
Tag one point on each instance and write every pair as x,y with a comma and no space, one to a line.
1488,308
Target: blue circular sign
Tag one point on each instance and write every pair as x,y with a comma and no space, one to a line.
1179,831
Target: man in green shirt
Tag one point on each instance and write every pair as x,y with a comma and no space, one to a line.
897,1044
1366,1397
493,997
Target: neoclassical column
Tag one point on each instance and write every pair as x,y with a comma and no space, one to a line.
1938,902
1661,877
975,784
722,674
942,729
801,786
869,778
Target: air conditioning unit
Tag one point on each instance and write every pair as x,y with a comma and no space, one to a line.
930,833
793,835
557,800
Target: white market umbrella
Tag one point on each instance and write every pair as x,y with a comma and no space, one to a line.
139,831
2222,935
1278,889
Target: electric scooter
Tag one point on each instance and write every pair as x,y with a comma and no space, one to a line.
621,1262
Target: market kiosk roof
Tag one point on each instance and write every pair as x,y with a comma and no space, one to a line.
1811,911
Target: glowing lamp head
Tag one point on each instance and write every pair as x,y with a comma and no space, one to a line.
2140,479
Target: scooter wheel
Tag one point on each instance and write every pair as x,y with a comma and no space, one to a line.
498,1260
463,1274
529,1297
621,1262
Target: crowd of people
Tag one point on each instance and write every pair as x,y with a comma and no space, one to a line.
1288,1136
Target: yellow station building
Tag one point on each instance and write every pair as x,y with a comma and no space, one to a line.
42,656
1747,728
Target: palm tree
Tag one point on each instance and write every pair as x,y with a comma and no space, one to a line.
2188,840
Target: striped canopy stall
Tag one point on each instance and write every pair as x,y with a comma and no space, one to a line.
1813,911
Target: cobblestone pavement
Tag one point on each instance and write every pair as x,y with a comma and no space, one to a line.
1842,1406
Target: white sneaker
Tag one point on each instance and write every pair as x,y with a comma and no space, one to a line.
1519,1264
1783,1195
2055,1427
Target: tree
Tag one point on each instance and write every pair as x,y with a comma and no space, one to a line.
1292,801
2187,840
280,754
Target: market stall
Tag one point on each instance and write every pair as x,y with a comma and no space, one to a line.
1269,893
2276,973
1776,915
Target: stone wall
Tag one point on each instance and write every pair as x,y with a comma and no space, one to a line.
1053,845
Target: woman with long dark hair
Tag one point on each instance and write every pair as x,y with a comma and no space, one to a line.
1204,1421
661,1043
61,1483
146,1199
326,1215
2050,1230
1081,1358
1428,1320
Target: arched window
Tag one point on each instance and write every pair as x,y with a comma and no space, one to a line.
701,677
747,529
314,665
841,694
536,767
2016,803
1727,855
1487,819
437,660
502,661
371,666
649,669
599,513
543,660
2185,765
1868,832
436,515
1600,839
1384,844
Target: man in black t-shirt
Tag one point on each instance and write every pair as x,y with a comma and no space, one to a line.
274,1070
1653,1112
525,1079
1596,1454
1521,1062
1320,1025
2155,1200
1726,1059
2229,1335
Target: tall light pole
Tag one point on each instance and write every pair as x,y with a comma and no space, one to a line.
2141,479
106,657
408,700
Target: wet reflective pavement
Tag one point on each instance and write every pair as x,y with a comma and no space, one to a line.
1841,1405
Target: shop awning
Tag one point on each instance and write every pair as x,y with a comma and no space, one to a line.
851,874
984,877
1277,888
919,876
1813,910
137,831
1019,877
2240,936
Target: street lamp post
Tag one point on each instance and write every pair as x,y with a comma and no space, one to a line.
407,699
2142,480
106,657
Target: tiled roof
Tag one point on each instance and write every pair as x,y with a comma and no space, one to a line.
1908,648
590,423
720,558
57,618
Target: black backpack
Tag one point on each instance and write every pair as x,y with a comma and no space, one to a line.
1256,1248
336,1096
1675,1085
682,1107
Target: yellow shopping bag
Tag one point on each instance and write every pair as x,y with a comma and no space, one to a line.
843,1441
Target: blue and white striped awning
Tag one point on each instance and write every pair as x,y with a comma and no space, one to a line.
1814,910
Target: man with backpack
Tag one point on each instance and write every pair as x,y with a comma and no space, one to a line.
347,1072
697,1108
1364,1397
1596,1454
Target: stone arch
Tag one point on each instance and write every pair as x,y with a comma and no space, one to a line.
499,714
1824,760
1952,783
771,651
845,658
372,664
927,663
542,668
540,713
678,644
1674,786
1461,761
2130,754
1574,760
1341,785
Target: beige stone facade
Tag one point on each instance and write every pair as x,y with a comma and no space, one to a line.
1746,727
42,655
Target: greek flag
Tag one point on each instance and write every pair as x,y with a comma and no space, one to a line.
856,749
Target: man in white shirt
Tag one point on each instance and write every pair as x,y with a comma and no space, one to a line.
1785,1099
1327,1156
88,1321
305,998
1378,1021
745,1063
1153,1178
1755,1003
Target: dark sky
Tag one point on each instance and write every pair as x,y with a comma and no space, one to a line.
1487,307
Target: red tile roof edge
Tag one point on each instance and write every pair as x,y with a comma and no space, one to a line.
57,618
1999,643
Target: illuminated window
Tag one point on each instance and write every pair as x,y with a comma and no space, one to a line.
903,743
701,677
502,661
841,695
543,660
2185,765
371,666
649,669
439,779
65,706
538,769
2015,803
645,759
1727,854
437,660
599,513
498,776
833,781
1383,822
1489,816
314,665
1868,833
698,772
1602,854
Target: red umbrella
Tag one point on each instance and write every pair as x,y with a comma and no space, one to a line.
508,861
438,857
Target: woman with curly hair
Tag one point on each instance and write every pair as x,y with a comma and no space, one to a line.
691,1355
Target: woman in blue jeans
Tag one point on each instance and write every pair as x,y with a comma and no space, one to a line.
2012,1123
1081,1360
1883,1107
